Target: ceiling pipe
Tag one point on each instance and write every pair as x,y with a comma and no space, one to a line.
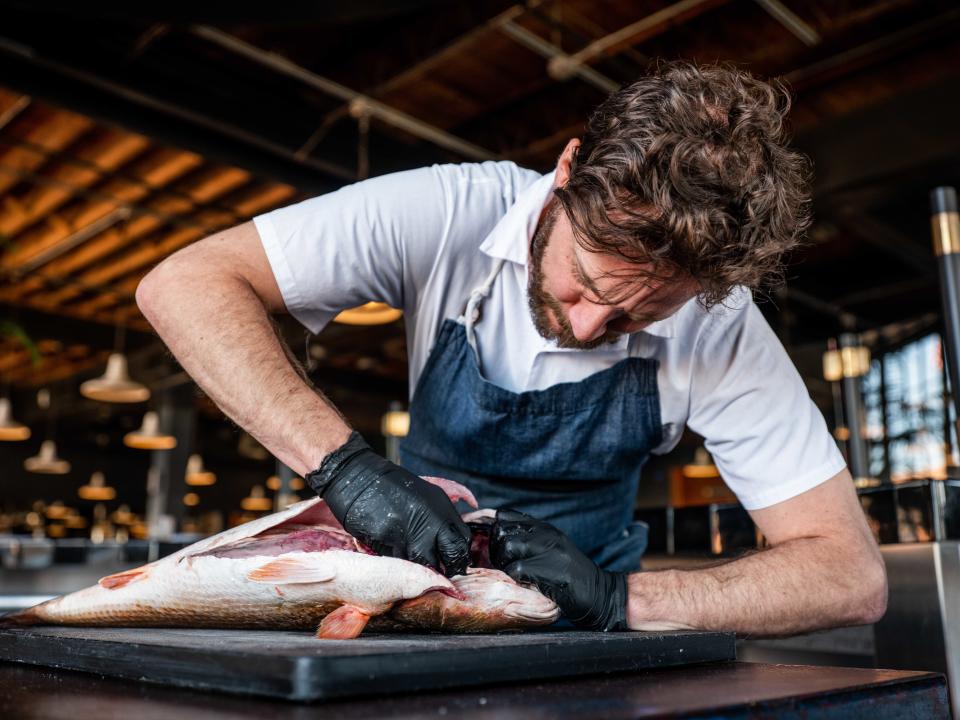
11,113
73,240
786,17
375,108
643,29
560,66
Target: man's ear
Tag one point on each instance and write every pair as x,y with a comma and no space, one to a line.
565,163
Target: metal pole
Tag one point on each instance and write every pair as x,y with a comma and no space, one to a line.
166,485
945,223
853,412
282,497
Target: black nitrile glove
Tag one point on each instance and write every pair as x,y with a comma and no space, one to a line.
534,551
393,511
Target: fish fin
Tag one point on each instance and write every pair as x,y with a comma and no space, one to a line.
288,571
344,623
454,490
118,580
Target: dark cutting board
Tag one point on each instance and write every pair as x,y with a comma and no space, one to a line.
296,666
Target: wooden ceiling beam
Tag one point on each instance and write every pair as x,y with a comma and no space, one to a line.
51,130
212,185
157,170
112,149
148,254
263,199
9,100
111,239
250,203
11,105
13,359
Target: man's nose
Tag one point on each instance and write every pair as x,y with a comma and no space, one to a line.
588,320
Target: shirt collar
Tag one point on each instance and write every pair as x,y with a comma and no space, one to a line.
510,237
510,240
665,328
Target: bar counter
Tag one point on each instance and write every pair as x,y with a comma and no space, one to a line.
728,690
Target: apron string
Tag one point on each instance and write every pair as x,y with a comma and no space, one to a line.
472,312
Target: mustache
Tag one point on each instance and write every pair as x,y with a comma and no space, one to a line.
564,337
543,305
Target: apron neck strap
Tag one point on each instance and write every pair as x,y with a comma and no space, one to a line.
472,313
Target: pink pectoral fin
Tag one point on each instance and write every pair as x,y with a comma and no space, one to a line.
344,623
454,490
118,580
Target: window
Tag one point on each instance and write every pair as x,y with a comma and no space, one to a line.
909,420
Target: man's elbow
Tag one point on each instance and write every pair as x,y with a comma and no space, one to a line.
148,293
873,602
154,289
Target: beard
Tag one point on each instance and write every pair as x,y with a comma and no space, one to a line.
543,305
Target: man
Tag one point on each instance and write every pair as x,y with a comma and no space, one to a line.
561,328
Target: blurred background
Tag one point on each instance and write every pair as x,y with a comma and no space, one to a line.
126,135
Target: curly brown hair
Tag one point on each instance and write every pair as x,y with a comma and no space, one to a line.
688,170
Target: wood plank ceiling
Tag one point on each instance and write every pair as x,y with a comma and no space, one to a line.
93,195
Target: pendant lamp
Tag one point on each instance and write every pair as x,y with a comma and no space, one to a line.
75,522
191,499
46,461
395,423
257,500
702,465
196,474
371,313
10,429
149,437
97,489
115,384
286,500
273,483
57,510
123,516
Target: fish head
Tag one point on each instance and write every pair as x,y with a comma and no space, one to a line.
489,601
504,598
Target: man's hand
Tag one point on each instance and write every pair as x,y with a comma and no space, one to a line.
533,551
390,509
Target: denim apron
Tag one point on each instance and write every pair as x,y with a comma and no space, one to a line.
570,454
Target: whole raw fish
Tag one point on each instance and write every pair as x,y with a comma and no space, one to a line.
293,570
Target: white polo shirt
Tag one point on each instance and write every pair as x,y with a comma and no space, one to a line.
421,240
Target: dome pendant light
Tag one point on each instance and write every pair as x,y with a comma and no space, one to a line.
46,461
10,429
702,465
257,501
371,313
196,475
115,384
149,437
97,489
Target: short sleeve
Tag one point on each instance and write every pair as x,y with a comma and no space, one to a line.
767,437
374,240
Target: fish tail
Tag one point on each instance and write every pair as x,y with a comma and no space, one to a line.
30,616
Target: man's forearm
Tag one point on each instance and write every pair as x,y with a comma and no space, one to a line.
798,586
221,333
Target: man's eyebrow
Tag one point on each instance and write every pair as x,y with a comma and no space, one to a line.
585,279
